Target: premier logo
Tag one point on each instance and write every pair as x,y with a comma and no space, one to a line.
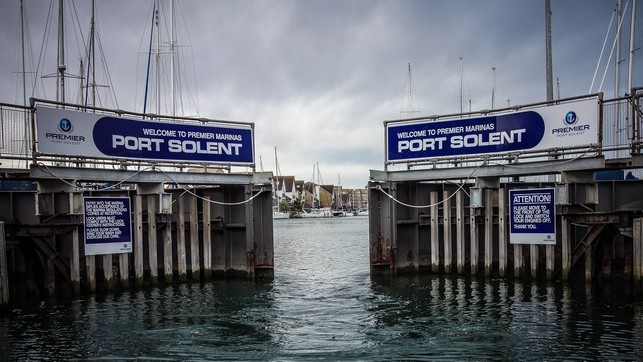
65,127
570,121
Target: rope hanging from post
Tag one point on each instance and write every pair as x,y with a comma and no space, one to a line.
46,169
430,205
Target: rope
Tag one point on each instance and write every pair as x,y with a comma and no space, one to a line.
430,205
48,171
186,190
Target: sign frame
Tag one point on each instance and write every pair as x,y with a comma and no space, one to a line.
107,225
71,133
532,216
572,124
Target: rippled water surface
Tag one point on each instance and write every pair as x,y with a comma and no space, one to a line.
323,304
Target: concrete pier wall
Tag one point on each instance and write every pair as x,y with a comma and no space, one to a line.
221,228
443,227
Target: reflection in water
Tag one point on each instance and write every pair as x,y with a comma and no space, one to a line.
323,304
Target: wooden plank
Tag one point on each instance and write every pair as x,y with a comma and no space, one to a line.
4,268
488,231
473,240
180,241
74,260
250,231
637,246
518,261
566,248
195,265
460,249
152,247
502,232
167,251
108,273
90,266
589,264
446,224
533,254
138,246
435,232
123,269
207,238
549,261
592,235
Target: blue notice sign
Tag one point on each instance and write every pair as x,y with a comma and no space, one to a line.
126,138
73,133
471,136
571,124
107,225
532,216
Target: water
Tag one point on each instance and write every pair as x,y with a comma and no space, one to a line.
323,304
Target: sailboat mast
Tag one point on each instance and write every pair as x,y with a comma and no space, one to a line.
22,40
493,88
172,57
630,67
617,64
149,56
461,84
157,58
60,75
410,104
548,55
92,62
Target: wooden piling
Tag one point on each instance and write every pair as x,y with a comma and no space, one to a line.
137,245
50,277
123,269
533,255
4,270
74,260
207,238
435,233
502,233
550,261
180,240
565,248
446,222
488,232
589,264
518,261
108,273
90,268
152,247
473,240
460,227
167,251
637,251
195,267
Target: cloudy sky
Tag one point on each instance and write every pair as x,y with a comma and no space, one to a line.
318,78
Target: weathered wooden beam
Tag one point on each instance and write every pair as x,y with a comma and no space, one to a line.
460,230
137,245
488,231
180,239
435,232
4,270
152,243
207,237
447,242
502,232
195,266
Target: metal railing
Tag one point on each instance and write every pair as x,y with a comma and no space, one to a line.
18,140
15,136
619,135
